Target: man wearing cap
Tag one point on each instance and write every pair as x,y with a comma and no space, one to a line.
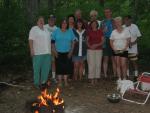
52,27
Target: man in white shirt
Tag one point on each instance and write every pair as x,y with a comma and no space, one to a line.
52,27
51,24
133,50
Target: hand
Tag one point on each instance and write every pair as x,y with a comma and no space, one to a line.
133,43
56,54
124,49
93,46
69,54
105,29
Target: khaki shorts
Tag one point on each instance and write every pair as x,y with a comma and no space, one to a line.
132,56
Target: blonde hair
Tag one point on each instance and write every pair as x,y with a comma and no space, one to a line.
118,18
93,12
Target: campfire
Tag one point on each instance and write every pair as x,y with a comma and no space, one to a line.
49,103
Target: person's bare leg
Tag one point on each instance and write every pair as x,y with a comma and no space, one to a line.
81,68
53,70
66,80
76,70
135,66
105,65
84,70
124,67
114,65
96,81
118,67
92,81
128,71
59,80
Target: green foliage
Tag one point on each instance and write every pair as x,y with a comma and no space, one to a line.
69,7
14,25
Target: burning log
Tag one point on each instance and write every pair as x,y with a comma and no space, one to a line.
45,109
59,108
48,103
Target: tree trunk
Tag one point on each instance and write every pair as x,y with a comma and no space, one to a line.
102,2
134,6
6,3
32,8
50,5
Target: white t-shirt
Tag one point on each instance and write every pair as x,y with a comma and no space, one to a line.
80,41
41,40
135,33
49,28
120,39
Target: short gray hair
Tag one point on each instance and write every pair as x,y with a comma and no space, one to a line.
118,18
93,12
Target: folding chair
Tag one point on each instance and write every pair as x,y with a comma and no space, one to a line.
143,78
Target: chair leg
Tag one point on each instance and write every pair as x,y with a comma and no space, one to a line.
142,103
147,98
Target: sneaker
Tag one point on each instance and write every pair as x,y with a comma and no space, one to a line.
119,80
54,81
136,73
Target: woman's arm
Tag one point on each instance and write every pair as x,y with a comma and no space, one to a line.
31,47
133,43
89,45
54,49
71,50
111,44
87,42
100,43
127,44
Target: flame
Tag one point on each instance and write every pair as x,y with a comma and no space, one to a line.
36,111
57,93
45,96
43,101
58,101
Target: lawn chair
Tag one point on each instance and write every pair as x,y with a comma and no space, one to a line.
143,78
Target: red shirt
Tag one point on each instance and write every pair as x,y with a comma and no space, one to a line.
95,37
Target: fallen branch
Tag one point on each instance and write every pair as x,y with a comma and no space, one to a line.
12,85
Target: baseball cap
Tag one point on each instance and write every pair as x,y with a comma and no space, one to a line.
51,17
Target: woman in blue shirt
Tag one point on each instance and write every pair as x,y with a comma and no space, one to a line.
62,46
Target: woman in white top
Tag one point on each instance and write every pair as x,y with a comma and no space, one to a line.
119,42
40,50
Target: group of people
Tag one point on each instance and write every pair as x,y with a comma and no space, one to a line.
65,48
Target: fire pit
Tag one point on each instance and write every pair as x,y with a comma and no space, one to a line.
48,103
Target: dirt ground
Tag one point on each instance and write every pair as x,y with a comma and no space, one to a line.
79,98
